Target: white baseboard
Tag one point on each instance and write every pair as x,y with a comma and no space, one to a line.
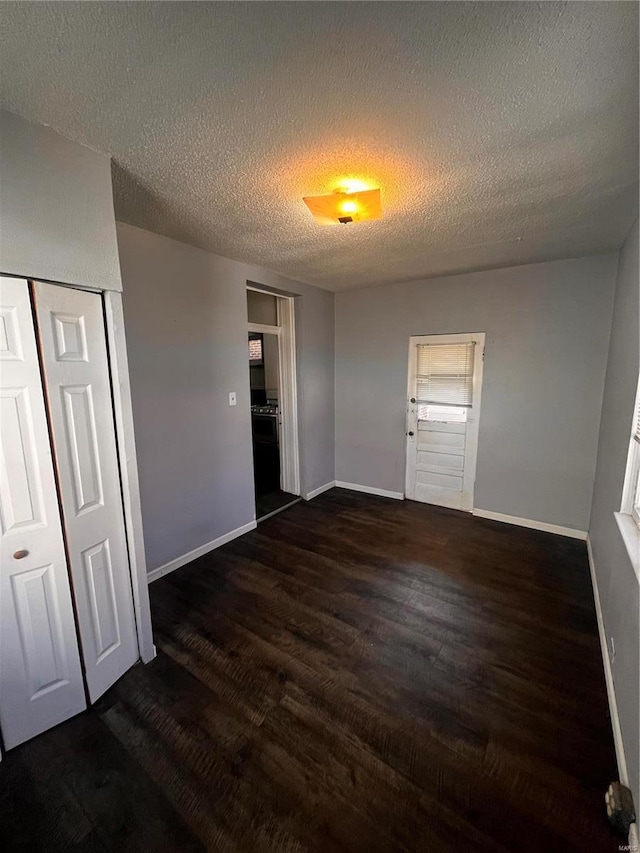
370,490
315,492
528,522
172,565
608,675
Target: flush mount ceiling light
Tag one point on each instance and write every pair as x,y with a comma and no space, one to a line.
342,207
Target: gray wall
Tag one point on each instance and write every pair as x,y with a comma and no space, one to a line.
547,330
186,321
617,582
56,208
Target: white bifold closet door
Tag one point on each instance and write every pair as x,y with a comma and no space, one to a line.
40,673
76,370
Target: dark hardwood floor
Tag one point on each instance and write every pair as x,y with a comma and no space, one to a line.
270,502
359,675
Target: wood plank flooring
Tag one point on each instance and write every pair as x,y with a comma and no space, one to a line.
358,674
270,502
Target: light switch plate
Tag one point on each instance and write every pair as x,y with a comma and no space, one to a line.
232,398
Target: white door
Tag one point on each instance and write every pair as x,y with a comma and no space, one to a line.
74,354
443,413
40,674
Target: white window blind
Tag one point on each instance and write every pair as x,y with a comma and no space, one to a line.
444,414
445,374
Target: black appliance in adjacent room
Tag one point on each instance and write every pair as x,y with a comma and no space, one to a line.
266,447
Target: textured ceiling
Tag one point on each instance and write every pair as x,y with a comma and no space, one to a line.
499,133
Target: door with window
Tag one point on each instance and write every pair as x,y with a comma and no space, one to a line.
443,414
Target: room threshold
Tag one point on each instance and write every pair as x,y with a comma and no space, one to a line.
274,502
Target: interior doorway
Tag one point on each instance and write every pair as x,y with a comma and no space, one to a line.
272,371
443,416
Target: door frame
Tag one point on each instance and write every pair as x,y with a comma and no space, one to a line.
288,387
128,464
473,423
127,458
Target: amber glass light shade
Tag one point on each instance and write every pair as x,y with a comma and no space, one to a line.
354,207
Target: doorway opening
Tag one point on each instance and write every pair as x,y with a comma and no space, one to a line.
443,416
274,416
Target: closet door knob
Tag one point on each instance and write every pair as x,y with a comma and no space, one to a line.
18,555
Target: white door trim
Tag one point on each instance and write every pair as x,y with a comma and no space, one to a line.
289,446
265,329
288,388
126,446
473,423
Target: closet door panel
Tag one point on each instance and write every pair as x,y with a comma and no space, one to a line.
40,673
74,352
